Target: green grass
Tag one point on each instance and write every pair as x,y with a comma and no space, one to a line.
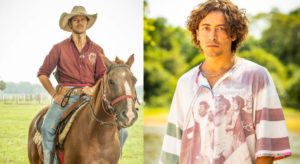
150,111
133,151
155,116
14,124
292,118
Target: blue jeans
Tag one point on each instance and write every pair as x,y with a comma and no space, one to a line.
123,134
49,127
50,124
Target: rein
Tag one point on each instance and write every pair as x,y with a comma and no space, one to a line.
107,105
66,98
98,120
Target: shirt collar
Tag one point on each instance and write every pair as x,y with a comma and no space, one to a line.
202,81
88,40
87,45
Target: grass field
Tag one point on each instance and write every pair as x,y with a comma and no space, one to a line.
14,124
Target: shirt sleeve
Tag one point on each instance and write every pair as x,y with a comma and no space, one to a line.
50,62
100,67
172,140
271,131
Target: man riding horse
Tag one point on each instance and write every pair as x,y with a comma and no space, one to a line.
78,66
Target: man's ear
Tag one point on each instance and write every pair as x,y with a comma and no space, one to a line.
197,34
70,24
233,38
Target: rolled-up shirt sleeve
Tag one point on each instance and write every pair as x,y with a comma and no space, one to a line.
50,62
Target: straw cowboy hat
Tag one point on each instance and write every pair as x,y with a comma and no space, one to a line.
77,10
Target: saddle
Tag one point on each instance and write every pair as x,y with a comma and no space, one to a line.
66,120
63,127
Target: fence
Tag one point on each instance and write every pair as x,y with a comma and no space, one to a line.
25,98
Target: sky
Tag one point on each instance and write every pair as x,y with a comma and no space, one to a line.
177,11
30,28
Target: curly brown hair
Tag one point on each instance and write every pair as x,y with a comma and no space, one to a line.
235,19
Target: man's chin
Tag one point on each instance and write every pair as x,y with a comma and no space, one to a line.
212,53
79,31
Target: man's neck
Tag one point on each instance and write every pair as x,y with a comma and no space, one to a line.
79,40
217,64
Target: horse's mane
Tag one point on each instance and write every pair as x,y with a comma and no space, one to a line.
97,92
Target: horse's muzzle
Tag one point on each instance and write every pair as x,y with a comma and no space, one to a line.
127,117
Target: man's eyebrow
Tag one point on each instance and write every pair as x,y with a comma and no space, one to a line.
206,24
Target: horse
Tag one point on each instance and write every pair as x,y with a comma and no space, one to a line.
93,137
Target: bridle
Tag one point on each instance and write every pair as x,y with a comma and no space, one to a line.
107,105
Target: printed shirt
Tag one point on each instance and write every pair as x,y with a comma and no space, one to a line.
236,121
72,66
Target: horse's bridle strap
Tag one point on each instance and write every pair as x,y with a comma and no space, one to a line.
121,98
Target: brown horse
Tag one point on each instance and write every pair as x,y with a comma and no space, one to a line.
93,137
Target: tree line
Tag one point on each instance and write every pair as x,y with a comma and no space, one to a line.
29,88
21,88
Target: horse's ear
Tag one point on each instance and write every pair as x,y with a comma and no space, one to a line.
118,60
130,60
106,61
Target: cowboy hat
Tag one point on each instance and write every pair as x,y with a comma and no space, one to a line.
77,10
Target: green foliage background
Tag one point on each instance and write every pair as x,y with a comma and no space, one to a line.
168,53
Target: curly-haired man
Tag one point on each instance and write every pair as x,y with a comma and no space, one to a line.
243,120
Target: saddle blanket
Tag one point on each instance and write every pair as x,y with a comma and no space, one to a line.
63,133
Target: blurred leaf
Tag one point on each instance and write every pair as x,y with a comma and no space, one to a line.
282,38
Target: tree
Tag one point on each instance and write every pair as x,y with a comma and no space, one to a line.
148,27
285,77
167,50
2,85
282,38
23,88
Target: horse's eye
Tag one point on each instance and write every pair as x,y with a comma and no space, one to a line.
111,82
